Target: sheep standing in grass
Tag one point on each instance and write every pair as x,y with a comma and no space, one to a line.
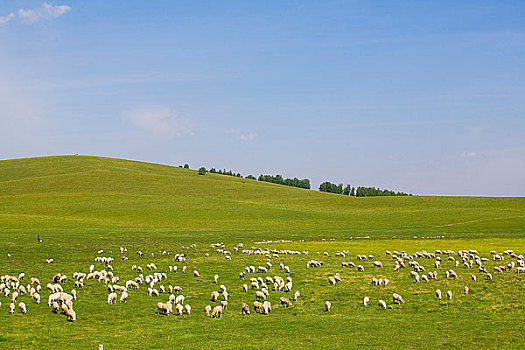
12,308
296,295
217,311
124,297
382,304
398,299
245,309
473,277
187,308
196,273
328,305
179,309
466,289
71,315
245,287
267,307
365,301
112,298
449,295
214,296
164,308
207,309
179,299
285,302
22,307
257,306
260,295
438,294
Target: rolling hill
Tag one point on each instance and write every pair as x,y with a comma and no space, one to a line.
94,194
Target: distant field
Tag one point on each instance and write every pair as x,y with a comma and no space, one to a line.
79,205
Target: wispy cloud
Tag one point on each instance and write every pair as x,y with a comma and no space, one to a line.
160,122
469,154
5,19
46,11
240,135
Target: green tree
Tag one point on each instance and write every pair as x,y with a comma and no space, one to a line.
202,170
186,166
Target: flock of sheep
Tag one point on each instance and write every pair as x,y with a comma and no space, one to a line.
255,283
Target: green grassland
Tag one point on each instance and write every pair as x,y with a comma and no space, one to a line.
82,204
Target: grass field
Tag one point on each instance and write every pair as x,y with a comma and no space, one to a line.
79,205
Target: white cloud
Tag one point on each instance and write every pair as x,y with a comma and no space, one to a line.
7,18
46,11
160,122
240,135
468,154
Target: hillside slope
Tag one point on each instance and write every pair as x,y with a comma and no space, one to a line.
93,194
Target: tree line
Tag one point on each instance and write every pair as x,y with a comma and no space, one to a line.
360,191
327,186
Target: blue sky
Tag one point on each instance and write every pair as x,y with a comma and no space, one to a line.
425,97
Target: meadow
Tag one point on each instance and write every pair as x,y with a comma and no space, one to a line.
80,205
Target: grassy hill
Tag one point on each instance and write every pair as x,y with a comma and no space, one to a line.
82,205
94,194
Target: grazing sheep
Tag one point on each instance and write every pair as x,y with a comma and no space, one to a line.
245,287
214,296
285,302
360,268
112,298
224,304
124,297
36,298
398,299
328,305
196,273
179,299
296,295
267,307
215,278
207,309
187,308
22,307
179,309
217,311
438,294
332,281
257,306
164,308
245,309
473,278
260,295
365,301
466,289
74,294
449,295
71,315
382,304
12,308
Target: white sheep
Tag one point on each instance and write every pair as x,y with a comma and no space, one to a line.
260,295
449,295
179,299
179,308
398,299
438,294
112,298
187,308
124,297
217,311
296,295
327,305
466,289
71,315
214,296
207,309
22,307
382,304
365,301
36,298
12,308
